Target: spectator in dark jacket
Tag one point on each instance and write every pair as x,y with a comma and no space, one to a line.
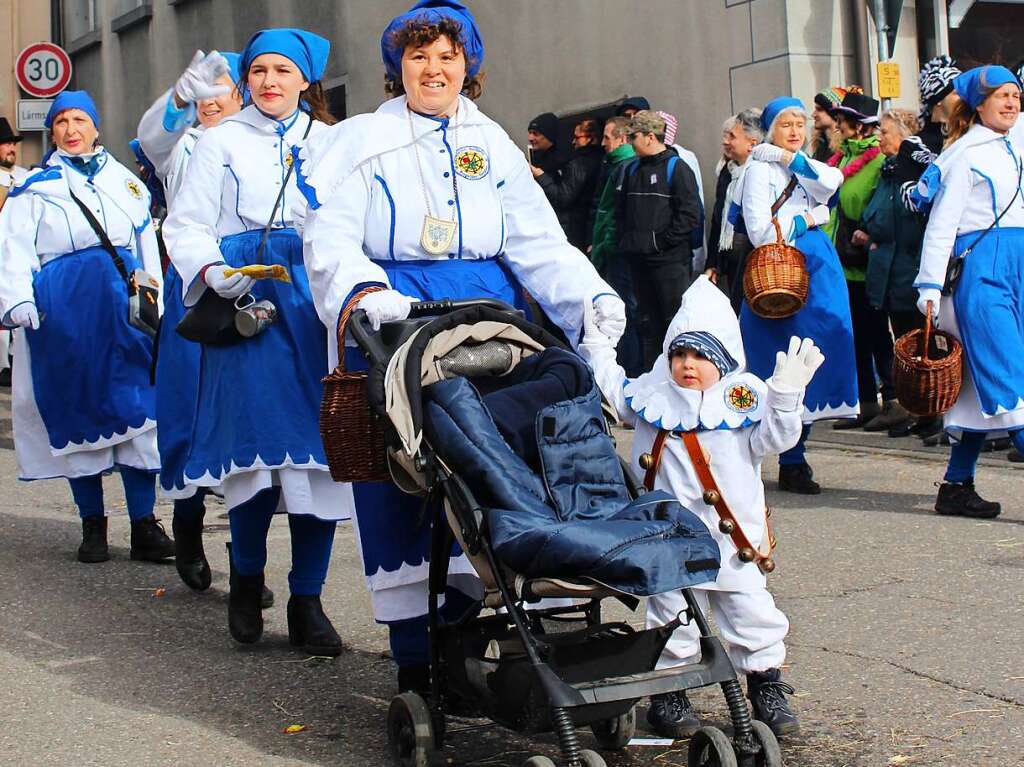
543,137
631,105
571,193
655,217
728,248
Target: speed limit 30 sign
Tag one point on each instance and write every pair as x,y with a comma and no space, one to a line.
43,70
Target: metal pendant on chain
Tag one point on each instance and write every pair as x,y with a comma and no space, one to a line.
438,234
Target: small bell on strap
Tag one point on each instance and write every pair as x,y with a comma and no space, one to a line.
646,461
767,565
726,526
746,554
712,497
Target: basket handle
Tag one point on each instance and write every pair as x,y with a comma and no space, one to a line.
778,230
343,325
927,329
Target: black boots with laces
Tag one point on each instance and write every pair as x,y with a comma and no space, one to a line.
960,499
672,716
94,540
149,541
798,478
767,693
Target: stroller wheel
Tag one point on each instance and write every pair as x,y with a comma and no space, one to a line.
710,747
771,754
590,758
538,761
615,734
410,731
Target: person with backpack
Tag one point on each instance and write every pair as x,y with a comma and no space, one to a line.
658,209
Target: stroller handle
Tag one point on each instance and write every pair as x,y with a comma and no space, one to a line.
372,342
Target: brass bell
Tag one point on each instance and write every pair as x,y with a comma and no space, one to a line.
746,554
768,565
646,461
711,497
726,526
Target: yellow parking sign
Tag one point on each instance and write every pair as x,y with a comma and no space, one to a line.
888,80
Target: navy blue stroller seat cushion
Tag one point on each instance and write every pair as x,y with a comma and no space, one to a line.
532,447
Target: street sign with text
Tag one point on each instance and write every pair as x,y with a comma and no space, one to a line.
32,114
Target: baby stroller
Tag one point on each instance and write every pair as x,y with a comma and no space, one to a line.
501,430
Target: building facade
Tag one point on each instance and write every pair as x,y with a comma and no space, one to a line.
701,60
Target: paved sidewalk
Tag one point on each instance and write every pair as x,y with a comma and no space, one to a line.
905,647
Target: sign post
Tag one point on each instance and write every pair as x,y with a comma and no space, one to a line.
43,70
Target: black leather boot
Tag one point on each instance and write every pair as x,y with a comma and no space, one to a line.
798,478
309,629
189,556
94,540
960,499
266,597
672,716
245,615
149,541
767,693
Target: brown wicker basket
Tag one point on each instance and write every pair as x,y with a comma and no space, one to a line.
775,280
352,434
925,386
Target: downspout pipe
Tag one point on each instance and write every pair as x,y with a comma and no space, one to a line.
862,49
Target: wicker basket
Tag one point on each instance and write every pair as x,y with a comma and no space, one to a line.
352,434
924,386
775,281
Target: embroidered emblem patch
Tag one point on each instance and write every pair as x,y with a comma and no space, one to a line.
471,163
288,160
740,398
133,189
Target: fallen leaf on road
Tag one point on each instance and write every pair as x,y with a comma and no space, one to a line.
293,728
159,592
899,759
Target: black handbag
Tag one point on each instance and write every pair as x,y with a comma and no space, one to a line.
143,288
211,320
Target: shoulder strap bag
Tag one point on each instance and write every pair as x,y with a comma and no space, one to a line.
143,289
212,320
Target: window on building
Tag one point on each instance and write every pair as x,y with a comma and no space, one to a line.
79,18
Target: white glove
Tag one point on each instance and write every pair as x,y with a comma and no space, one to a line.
385,306
768,153
25,315
227,287
609,316
795,369
924,295
199,80
821,215
592,335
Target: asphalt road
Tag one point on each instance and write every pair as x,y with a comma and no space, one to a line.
905,647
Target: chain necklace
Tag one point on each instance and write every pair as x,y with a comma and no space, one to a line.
438,234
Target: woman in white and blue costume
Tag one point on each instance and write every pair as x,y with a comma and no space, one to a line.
255,428
83,404
826,317
430,199
203,96
977,214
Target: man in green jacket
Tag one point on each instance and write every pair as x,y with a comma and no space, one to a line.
604,250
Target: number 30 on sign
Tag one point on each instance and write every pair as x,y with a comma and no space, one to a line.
43,70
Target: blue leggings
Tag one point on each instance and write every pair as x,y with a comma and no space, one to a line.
963,457
796,454
139,492
409,643
312,541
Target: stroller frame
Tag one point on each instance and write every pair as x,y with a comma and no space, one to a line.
416,727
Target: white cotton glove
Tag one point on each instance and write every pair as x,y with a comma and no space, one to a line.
768,153
592,335
795,368
227,287
610,316
385,306
820,215
25,316
924,295
199,80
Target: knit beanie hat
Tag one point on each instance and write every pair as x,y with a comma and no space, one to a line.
936,82
830,98
671,127
546,125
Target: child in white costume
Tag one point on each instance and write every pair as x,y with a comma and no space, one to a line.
699,384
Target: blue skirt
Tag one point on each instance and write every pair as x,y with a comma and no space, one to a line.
825,319
260,398
392,529
989,301
177,388
90,367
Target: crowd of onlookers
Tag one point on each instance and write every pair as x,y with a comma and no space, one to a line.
633,199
